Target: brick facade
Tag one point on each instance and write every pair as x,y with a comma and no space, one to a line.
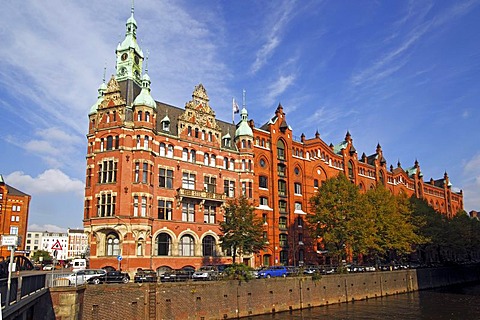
158,175
14,208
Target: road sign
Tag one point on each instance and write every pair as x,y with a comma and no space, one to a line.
9,240
57,246
119,258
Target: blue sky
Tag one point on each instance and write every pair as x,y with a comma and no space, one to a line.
405,74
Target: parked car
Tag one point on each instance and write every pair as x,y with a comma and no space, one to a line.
48,267
175,275
206,273
79,277
110,277
145,275
273,271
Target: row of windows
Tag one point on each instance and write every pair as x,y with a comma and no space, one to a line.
16,208
111,143
164,246
282,185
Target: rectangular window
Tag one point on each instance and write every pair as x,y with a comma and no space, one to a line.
263,182
188,181
210,184
106,205
137,172
282,223
209,214
298,188
107,171
165,178
135,206
188,211
264,201
229,188
165,209
145,172
282,188
298,206
281,170
264,218
282,205
283,240
144,206
13,230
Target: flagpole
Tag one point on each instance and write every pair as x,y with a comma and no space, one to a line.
233,110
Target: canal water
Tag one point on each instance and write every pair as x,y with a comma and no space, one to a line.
450,303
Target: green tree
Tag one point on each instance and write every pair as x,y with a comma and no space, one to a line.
242,230
336,217
395,234
41,253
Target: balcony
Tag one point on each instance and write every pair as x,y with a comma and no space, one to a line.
200,194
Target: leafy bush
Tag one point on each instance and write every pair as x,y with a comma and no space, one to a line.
238,271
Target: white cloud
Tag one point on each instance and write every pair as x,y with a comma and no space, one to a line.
278,87
50,181
279,18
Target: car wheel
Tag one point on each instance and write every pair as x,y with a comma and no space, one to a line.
96,281
125,280
268,276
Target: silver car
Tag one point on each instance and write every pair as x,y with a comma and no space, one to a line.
206,273
81,276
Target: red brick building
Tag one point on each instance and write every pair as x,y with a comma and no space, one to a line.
289,171
158,175
14,208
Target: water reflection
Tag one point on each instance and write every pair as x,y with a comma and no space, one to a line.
456,302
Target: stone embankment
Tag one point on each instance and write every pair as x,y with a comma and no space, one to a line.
234,299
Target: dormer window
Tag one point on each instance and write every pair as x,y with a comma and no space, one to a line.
166,125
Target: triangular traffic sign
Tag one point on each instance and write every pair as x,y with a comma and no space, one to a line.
57,246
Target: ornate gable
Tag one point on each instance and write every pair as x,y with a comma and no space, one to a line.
198,113
112,95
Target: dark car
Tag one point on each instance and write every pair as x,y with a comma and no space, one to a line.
110,277
175,275
145,275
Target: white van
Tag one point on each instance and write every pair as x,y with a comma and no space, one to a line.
78,264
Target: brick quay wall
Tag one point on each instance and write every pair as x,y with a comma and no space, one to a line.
236,299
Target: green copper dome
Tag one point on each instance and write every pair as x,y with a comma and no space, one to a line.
101,91
145,98
243,127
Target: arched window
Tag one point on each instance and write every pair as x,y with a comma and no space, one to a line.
139,116
208,246
147,116
109,142
185,154
162,149
350,170
163,245
113,245
225,163
196,132
193,156
170,151
280,150
206,159
232,164
243,143
140,247
203,134
189,131
138,142
213,160
186,247
145,143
